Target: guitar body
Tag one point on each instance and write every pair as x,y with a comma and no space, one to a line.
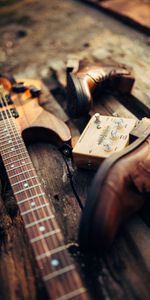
36,124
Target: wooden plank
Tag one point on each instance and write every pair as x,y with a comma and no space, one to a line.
124,272
136,12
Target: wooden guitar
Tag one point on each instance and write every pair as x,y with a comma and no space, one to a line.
21,118
103,136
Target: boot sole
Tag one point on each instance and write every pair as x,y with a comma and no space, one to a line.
78,102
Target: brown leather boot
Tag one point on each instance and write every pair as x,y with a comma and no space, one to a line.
118,190
82,85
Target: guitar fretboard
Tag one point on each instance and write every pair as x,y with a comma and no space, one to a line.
57,268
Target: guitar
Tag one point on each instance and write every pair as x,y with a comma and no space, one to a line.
103,136
21,118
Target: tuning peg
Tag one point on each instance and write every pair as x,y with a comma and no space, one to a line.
35,92
19,87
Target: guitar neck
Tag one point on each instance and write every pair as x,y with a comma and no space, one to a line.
57,268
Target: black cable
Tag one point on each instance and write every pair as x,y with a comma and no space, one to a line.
66,155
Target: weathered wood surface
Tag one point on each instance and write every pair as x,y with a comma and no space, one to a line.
135,12
52,32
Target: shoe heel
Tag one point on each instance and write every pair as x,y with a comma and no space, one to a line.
78,102
125,84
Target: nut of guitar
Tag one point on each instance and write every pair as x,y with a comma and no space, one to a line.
103,136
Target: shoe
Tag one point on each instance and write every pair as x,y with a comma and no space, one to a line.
82,85
117,191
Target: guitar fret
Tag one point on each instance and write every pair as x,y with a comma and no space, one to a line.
26,179
9,147
14,150
22,153
40,237
30,198
49,253
12,127
5,130
7,135
29,163
33,209
59,272
28,188
39,221
10,133
73,294
22,173
12,143
15,161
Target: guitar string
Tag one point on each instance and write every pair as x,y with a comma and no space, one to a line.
25,178
27,153
12,129
75,277
18,176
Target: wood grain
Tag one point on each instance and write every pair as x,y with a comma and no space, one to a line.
82,32
136,11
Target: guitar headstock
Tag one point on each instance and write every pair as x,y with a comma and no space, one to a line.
23,101
15,93
103,136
